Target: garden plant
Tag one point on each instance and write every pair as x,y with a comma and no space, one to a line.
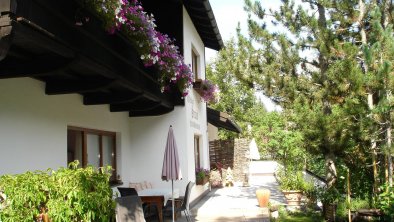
67,194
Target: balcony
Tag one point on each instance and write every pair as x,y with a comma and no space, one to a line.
40,39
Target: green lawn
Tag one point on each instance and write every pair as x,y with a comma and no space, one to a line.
300,218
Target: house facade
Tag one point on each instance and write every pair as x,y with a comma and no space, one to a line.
75,92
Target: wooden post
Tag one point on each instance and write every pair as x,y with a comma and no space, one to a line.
348,195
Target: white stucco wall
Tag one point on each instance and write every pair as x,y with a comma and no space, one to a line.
197,125
33,126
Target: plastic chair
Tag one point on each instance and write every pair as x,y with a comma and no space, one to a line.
129,209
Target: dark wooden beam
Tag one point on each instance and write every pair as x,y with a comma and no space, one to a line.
30,34
39,66
100,98
140,105
76,86
154,112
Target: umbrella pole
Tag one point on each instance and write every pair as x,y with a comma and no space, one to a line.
173,201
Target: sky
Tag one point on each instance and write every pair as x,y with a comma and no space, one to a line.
227,14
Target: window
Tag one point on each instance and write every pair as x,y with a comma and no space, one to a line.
92,147
197,151
195,63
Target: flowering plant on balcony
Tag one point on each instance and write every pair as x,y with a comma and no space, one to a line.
155,49
206,89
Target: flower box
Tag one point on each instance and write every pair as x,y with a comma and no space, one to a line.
201,181
197,85
206,89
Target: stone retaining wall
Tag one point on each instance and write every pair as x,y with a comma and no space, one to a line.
241,162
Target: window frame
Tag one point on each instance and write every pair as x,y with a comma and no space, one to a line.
197,151
195,63
100,133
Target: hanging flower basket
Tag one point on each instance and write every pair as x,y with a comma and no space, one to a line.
206,89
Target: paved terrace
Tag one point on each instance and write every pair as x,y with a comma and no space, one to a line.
236,203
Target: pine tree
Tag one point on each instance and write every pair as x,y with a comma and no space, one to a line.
312,69
378,54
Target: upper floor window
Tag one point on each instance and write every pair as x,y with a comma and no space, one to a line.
195,64
92,147
197,152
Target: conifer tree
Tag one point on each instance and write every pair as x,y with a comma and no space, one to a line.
311,68
378,52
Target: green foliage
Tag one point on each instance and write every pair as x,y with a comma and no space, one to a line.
298,216
290,179
355,204
328,196
68,194
386,201
311,193
25,195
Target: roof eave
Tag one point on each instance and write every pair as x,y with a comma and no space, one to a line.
200,11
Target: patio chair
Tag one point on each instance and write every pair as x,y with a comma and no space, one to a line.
185,203
129,209
127,191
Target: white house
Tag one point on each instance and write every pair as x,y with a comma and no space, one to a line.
75,92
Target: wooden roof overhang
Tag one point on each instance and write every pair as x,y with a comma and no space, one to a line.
201,13
40,39
222,120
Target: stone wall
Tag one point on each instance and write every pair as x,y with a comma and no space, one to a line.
241,162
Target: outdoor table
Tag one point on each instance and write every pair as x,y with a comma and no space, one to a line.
158,196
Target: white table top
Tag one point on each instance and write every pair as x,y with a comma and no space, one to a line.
167,193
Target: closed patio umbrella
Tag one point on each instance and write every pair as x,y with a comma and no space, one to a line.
171,166
253,150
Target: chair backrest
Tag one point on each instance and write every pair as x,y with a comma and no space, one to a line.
186,200
129,209
127,191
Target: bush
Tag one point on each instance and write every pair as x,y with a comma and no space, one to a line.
310,192
328,196
355,204
290,179
68,194
385,201
215,178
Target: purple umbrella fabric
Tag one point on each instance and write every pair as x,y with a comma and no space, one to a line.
171,166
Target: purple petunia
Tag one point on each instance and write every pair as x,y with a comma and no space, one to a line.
155,48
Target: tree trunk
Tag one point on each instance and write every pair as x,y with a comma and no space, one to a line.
388,138
331,170
369,96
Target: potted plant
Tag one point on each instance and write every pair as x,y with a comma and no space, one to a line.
215,178
202,176
292,185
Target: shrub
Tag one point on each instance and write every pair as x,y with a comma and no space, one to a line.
355,204
385,202
215,178
290,179
68,194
